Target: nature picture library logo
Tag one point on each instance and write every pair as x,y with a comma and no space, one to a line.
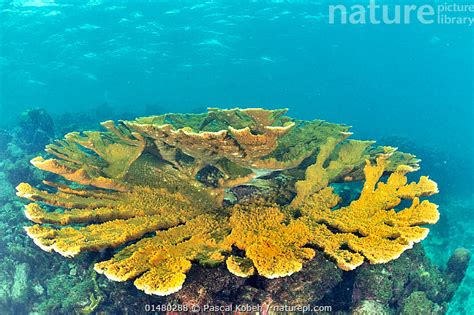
373,12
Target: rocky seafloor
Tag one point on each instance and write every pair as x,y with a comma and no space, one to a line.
35,282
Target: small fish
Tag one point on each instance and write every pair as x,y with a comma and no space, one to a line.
114,7
36,82
36,3
89,27
173,11
91,76
197,6
213,42
267,59
53,13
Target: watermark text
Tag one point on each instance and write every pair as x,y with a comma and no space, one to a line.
372,12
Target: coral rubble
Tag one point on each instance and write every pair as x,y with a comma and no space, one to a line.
155,187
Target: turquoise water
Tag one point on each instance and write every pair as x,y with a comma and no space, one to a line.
411,80
404,85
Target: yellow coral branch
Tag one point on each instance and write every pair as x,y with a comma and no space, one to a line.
159,263
274,247
370,227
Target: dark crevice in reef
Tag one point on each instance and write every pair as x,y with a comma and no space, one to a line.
340,298
209,175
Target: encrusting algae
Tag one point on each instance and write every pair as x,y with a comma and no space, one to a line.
147,176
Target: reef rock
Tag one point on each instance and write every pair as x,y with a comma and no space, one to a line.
409,283
35,129
20,287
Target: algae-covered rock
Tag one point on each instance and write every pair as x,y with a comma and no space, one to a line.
65,294
418,303
35,129
6,189
5,138
374,284
395,283
317,279
218,287
457,264
371,307
5,288
21,284
209,287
